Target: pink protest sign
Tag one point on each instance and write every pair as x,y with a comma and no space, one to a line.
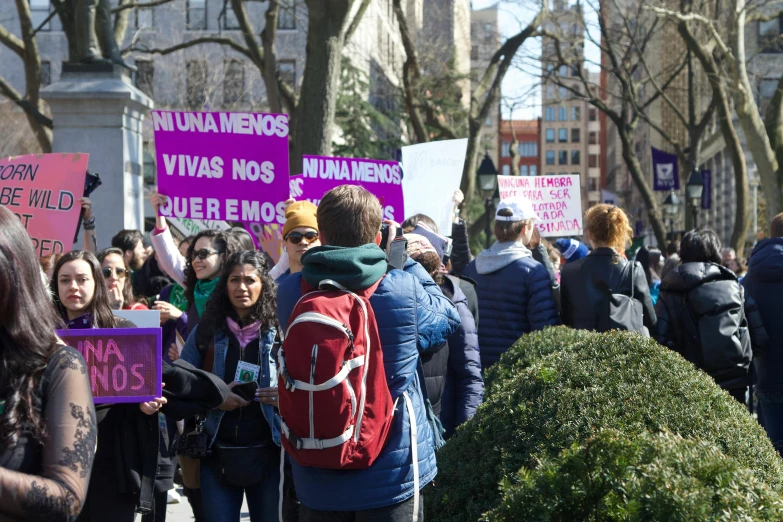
43,190
228,166
556,199
123,364
382,178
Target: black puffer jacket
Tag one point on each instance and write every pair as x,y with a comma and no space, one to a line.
435,363
712,291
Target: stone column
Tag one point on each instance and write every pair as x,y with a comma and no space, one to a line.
96,109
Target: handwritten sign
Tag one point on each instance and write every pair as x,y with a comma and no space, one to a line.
382,178
222,165
556,199
433,172
43,190
267,237
123,364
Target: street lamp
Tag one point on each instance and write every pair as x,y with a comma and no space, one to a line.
694,189
488,184
671,207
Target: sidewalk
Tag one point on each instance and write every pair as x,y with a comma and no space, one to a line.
182,513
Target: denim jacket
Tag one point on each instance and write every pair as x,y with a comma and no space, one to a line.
267,376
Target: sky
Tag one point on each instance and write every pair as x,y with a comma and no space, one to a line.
520,90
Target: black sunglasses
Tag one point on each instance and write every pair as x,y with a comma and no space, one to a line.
121,272
296,237
203,253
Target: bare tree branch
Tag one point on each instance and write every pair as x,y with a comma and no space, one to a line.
357,19
11,41
45,21
139,5
196,41
31,111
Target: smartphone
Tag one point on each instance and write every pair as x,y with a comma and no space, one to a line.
246,390
384,235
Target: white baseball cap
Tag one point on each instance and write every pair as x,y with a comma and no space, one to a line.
521,210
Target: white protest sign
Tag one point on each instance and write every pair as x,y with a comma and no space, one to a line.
141,318
556,199
191,227
431,174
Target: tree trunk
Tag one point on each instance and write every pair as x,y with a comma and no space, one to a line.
327,24
32,74
774,125
635,169
270,57
468,184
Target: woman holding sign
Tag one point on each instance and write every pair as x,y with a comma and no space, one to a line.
47,418
117,485
235,339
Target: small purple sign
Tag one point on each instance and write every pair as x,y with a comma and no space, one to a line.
229,166
665,170
382,178
706,196
123,364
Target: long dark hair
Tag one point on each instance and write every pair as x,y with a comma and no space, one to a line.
219,242
219,305
127,293
27,324
100,306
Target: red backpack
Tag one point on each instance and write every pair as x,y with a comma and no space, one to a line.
335,405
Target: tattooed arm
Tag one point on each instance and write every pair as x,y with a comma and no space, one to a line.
58,493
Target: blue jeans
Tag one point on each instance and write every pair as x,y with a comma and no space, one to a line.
223,504
771,406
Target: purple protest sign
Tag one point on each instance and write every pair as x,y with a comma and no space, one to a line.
665,170
706,197
228,166
382,178
123,364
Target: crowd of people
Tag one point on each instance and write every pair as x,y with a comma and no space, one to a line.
436,322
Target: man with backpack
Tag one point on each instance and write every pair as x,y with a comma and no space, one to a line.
704,314
764,283
359,437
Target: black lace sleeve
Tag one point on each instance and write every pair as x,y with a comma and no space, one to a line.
58,493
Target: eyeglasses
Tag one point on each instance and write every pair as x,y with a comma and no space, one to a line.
204,253
121,272
296,237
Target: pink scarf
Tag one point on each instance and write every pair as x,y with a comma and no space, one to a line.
245,335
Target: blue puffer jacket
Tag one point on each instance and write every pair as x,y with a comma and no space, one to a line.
412,315
464,385
764,283
515,297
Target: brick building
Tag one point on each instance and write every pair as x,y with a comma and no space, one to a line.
527,134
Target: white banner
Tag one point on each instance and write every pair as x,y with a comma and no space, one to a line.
431,174
556,199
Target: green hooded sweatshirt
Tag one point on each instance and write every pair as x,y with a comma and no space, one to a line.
355,268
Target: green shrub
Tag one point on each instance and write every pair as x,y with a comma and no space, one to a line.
563,391
650,477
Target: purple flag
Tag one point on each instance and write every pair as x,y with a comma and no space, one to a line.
382,178
665,171
706,196
227,166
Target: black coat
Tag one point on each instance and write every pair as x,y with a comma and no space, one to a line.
583,286
709,288
764,283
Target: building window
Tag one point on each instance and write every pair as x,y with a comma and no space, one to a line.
562,135
286,19
592,161
767,88
562,157
575,70
576,114
769,35
196,84
550,135
533,170
148,167
550,174
562,114
523,170
39,11
592,138
505,149
489,32
550,157
592,114
506,170
563,93
145,77
143,19
46,73
528,149
197,15
563,71
286,71
230,20
592,184
575,157
550,92
233,81
549,115
474,52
